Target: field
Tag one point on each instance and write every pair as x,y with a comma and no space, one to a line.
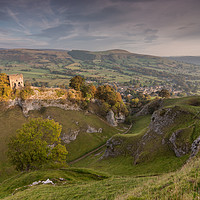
54,68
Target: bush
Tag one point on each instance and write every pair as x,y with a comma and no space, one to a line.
26,93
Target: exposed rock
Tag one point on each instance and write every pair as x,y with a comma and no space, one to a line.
195,147
163,118
100,130
37,104
179,150
120,118
91,130
150,108
47,182
111,150
111,118
71,136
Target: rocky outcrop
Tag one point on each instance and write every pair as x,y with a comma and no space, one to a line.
179,150
71,136
111,148
111,118
120,118
163,118
195,147
150,108
37,104
93,130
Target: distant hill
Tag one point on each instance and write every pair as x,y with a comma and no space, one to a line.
56,67
187,59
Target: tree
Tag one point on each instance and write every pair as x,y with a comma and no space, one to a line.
77,82
164,93
88,91
5,90
36,144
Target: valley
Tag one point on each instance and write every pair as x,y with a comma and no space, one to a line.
124,140
55,68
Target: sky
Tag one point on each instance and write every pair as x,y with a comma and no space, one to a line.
154,27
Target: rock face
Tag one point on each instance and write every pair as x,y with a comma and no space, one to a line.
71,136
114,120
120,118
112,150
150,108
111,118
181,149
163,118
37,104
93,130
195,147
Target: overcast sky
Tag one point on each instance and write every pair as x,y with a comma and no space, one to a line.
156,27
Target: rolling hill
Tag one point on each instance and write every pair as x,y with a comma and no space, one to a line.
53,68
187,59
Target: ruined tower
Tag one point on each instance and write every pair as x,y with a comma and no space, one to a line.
16,81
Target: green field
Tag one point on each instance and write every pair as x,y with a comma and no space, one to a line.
54,68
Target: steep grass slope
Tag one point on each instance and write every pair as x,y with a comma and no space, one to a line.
182,184
71,121
149,147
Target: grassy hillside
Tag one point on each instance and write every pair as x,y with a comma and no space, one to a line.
89,184
157,174
155,155
187,59
12,119
53,68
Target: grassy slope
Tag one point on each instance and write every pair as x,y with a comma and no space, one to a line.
12,119
79,184
123,182
183,184
162,159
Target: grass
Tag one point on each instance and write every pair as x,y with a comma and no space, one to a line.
22,181
85,142
12,119
91,189
158,174
140,124
56,68
183,184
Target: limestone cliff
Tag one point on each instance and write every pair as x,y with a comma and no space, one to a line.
171,129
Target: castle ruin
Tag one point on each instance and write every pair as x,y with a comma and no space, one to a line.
16,81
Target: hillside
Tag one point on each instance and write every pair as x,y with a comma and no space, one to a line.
53,68
157,143
160,141
187,59
79,133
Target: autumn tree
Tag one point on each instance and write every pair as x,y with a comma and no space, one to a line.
164,93
5,90
108,94
88,91
77,82
37,144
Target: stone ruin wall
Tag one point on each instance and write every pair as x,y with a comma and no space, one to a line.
16,81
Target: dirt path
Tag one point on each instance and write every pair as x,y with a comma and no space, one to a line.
95,150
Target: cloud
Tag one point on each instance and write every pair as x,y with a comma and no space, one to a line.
56,32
